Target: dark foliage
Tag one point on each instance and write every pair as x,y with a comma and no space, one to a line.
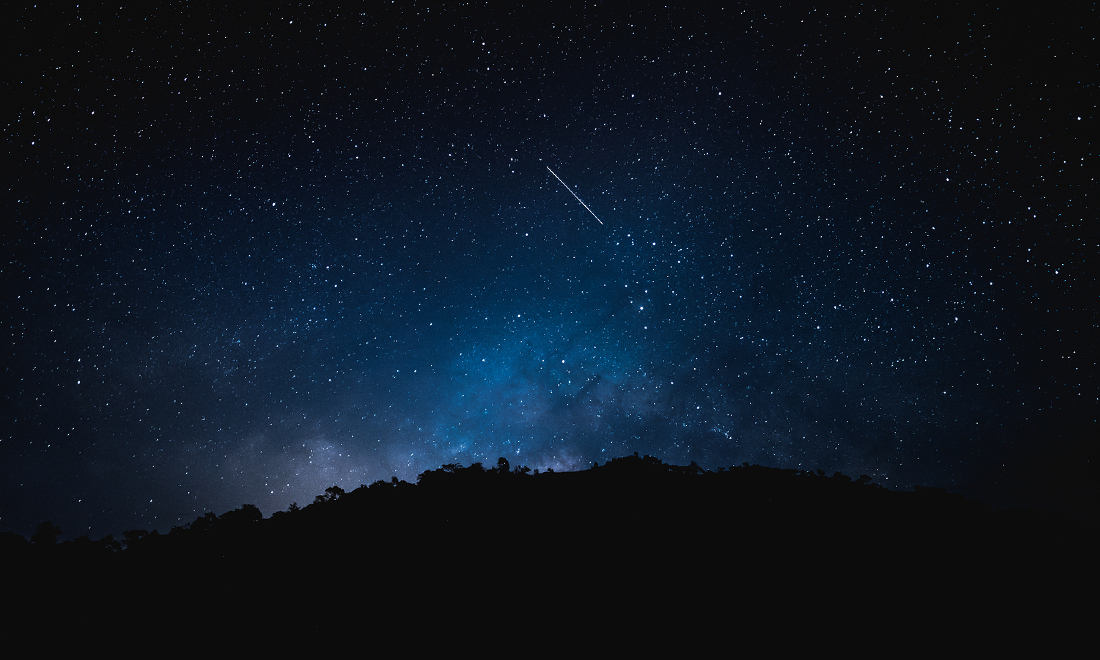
633,538
46,534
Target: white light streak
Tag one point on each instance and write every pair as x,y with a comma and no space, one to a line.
574,194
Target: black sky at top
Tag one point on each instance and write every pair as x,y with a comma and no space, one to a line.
254,253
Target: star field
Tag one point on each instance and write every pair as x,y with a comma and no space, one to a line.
250,255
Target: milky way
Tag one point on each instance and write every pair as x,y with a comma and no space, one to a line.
249,256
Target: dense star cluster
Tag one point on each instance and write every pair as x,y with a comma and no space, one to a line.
248,255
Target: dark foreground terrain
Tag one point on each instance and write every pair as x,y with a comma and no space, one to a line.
628,554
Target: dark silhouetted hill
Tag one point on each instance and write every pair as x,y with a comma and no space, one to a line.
630,546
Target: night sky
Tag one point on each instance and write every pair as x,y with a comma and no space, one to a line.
248,255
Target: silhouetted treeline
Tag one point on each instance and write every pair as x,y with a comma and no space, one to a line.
615,534
629,493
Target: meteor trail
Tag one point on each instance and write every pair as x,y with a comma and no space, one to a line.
574,194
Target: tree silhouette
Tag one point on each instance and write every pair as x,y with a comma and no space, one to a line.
248,513
332,493
132,537
110,544
46,534
204,523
